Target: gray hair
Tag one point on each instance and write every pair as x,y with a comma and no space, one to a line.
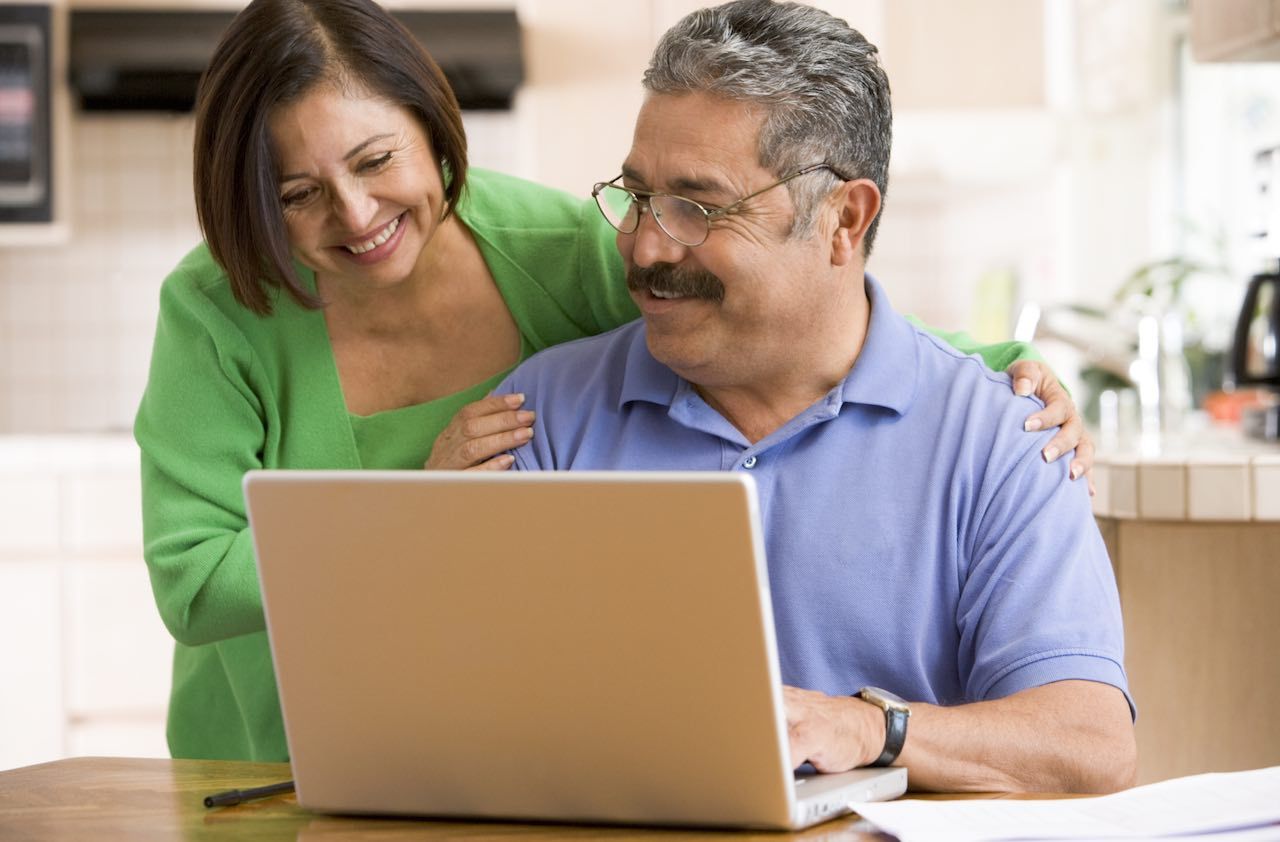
820,83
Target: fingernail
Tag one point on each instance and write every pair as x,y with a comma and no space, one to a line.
1075,472
1050,453
525,416
524,434
1032,424
1022,386
515,400
506,460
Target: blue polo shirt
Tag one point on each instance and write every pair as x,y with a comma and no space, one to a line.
916,539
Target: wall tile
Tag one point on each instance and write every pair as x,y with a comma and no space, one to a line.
1220,489
1122,478
1266,488
1162,490
1101,501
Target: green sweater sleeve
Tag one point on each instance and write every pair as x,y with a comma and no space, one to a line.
602,273
201,424
997,355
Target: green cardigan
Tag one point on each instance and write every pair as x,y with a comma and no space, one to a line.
230,390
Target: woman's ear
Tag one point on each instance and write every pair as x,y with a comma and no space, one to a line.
857,204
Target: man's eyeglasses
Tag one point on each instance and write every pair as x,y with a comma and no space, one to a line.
683,220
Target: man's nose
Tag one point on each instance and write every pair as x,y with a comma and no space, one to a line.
652,244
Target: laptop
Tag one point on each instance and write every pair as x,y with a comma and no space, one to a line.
572,647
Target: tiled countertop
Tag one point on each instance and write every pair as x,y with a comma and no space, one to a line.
1209,475
1213,474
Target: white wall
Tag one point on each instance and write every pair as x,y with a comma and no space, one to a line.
1030,141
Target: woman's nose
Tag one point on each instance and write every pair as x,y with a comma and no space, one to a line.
354,208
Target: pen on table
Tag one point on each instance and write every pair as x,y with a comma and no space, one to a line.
235,796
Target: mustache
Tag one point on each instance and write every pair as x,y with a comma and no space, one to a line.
665,277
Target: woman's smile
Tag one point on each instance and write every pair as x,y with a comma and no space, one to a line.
379,246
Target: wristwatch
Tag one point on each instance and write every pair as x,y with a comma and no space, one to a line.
896,713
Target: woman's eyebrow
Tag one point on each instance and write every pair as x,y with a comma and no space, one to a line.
361,147
356,150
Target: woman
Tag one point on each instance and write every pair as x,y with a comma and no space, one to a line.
358,287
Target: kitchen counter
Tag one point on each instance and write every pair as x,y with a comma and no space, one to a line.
1192,525
1207,474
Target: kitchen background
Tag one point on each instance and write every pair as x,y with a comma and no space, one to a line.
1044,151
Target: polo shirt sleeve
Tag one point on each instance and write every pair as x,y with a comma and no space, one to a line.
531,378
1038,601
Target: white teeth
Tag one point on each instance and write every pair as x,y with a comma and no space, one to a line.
657,293
378,239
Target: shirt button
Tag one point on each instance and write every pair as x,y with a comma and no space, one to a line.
749,462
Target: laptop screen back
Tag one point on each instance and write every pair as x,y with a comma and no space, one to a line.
567,646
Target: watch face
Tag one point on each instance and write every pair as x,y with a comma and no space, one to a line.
884,699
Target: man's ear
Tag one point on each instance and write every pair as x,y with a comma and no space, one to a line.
857,203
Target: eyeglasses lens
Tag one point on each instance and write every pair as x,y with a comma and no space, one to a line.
619,207
682,219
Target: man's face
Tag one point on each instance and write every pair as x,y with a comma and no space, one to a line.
736,310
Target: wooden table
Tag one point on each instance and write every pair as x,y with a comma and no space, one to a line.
111,798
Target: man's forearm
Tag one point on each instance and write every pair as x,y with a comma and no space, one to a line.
1070,736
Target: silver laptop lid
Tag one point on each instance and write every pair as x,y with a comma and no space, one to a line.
564,646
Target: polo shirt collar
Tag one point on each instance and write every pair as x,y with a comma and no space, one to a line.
646,379
883,375
887,368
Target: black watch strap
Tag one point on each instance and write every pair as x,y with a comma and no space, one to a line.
896,714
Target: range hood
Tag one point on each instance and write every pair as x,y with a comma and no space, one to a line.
132,60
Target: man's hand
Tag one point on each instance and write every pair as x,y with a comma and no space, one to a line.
1031,377
834,733
1066,736
480,435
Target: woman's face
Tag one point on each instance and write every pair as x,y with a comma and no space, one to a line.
360,186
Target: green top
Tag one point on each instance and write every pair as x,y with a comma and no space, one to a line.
230,390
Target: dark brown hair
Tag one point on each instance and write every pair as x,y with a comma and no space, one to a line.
272,54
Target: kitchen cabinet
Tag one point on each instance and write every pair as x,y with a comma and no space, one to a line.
87,661
1235,30
1195,541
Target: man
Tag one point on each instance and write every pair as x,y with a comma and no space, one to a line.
896,485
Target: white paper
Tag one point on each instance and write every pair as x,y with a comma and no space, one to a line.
1201,804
